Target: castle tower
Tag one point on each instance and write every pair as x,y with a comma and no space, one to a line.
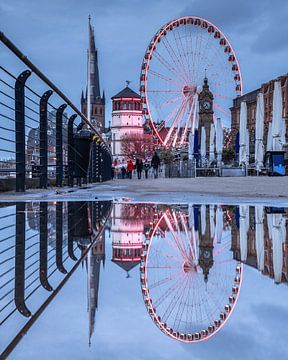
126,119
127,232
205,112
97,102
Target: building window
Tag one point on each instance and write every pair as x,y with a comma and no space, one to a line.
124,106
100,111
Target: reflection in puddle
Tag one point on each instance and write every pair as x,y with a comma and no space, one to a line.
190,259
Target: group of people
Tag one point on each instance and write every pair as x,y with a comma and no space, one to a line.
139,166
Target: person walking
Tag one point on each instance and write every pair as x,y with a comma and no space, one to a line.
155,162
139,168
112,172
146,168
123,172
130,168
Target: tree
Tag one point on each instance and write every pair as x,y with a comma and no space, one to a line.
137,145
166,156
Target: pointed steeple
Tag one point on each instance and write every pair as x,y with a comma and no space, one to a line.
103,97
93,65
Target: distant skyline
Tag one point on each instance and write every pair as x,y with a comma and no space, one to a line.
54,35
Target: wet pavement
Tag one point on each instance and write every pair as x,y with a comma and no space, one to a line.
121,279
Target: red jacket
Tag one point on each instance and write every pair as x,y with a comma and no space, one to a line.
130,166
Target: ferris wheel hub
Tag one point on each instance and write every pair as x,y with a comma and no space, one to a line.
189,91
188,267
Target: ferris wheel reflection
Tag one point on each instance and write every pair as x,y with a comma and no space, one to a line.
189,279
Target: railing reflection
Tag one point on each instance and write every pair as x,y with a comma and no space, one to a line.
40,248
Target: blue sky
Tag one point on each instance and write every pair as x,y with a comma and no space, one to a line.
53,34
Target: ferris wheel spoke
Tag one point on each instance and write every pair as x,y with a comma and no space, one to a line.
182,57
176,119
164,91
163,267
222,96
169,67
166,294
188,122
174,300
176,60
223,111
181,308
165,280
169,102
178,245
168,256
163,77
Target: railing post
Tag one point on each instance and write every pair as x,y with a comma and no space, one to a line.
59,238
20,260
43,252
44,139
59,144
71,226
94,161
71,149
98,162
20,129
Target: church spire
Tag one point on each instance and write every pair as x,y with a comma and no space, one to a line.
93,65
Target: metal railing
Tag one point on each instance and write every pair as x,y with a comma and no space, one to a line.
40,128
41,245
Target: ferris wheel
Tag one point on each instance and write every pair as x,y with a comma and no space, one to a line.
177,59
178,299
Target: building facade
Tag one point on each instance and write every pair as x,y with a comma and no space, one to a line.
126,120
97,102
251,101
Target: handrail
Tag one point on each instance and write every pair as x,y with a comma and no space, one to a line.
9,44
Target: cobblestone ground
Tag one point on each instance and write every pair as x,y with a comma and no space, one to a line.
241,189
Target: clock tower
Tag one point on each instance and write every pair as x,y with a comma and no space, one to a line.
206,247
205,112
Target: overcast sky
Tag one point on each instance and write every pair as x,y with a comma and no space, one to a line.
53,34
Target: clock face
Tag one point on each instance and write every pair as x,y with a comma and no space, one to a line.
206,105
206,254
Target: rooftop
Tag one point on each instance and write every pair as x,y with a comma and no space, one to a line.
126,93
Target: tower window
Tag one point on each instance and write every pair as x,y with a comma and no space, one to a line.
100,111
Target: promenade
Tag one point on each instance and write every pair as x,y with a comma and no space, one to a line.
265,190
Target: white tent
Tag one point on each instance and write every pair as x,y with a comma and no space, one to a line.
244,226
283,133
219,140
212,143
247,147
243,133
259,217
278,232
219,224
203,219
269,145
203,145
212,220
277,116
191,145
259,147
